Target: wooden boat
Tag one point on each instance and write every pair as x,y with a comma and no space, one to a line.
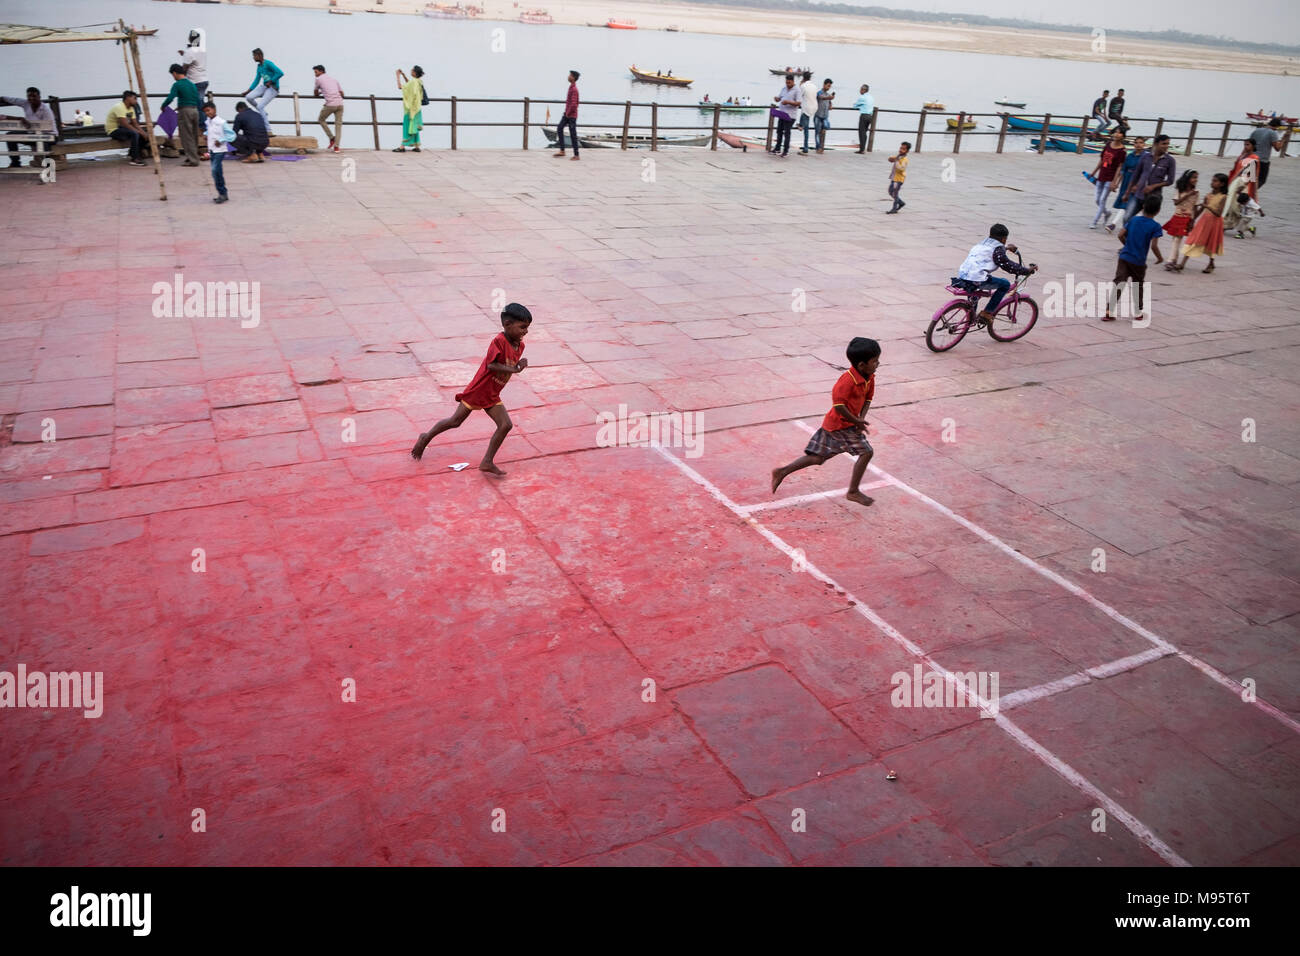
1036,125
733,107
606,140
734,141
536,16
647,77
443,11
785,70
952,123
1066,146
933,105
1013,105
674,29
342,13
1262,117
620,24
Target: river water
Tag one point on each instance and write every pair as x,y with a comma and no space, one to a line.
492,59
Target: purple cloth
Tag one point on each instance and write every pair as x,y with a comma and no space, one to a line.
167,121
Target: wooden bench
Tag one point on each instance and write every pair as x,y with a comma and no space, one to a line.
299,144
63,148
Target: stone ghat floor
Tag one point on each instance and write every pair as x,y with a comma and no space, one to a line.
500,633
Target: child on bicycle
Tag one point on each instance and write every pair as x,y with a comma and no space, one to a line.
984,258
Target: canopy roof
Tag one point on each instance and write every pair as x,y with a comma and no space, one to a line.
18,33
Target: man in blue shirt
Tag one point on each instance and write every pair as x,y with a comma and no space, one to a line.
266,83
865,105
1140,235
251,136
1155,171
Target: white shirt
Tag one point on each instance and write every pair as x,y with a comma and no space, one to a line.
216,135
42,116
808,96
196,63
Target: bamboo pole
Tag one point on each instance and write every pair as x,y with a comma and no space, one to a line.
148,118
1002,134
525,122
717,110
121,28
297,119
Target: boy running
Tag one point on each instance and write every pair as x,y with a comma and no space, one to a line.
504,358
844,429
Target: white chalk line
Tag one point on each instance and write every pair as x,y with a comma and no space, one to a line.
1030,694
1140,830
815,496
1208,670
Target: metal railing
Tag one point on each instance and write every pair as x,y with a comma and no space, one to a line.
1078,132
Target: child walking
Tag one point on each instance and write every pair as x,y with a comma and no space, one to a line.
1142,234
504,358
1185,207
896,176
1206,237
217,141
844,429
1247,209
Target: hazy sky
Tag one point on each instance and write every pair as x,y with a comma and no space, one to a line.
1264,21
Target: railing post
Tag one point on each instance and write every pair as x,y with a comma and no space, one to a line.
920,131
1284,143
453,124
297,119
1002,134
525,122
771,123
956,142
1191,137
717,111
1083,134
374,119
1223,143
1160,125
627,118
58,114
1042,137
654,127
871,135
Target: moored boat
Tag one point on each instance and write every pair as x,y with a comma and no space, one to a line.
1011,103
620,24
952,123
342,13
733,107
1262,117
1036,125
607,140
933,105
647,77
790,69
536,16
1055,145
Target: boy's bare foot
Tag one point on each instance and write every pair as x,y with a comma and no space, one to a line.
859,497
421,443
491,469
778,476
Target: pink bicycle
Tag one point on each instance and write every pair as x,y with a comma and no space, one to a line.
1014,317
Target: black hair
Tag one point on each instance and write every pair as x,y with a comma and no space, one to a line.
862,350
999,232
576,75
1151,205
1185,181
1121,89
1275,121
907,144
1248,142
515,312
417,71
807,74
319,67
828,80
1216,179
32,89
241,106
1162,138
1105,92
258,49
176,68
126,93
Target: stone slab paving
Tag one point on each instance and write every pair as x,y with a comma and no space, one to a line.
501,633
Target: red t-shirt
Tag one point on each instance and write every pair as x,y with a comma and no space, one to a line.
1111,159
485,389
853,393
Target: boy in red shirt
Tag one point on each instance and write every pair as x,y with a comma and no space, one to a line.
504,358
844,429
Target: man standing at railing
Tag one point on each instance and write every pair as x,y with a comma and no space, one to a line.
266,84
329,88
807,108
866,105
825,100
787,102
570,117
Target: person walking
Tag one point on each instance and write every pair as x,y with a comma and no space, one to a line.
787,102
216,133
1106,175
897,174
187,100
1265,138
1155,170
266,84
570,117
825,100
329,88
412,108
807,108
865,105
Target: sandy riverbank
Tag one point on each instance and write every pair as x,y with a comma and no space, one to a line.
834,28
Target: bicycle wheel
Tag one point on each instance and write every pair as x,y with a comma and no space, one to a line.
949,326
1014,318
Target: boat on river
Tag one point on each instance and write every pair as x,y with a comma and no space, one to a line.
645,76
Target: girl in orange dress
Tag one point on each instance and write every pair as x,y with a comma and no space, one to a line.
1206,237
1184,211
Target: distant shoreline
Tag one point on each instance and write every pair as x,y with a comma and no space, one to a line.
849,29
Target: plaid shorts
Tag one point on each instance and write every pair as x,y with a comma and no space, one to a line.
829,444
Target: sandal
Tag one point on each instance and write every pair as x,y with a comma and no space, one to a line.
1209,268
400,149
415,149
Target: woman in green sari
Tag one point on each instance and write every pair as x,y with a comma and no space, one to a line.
412,108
